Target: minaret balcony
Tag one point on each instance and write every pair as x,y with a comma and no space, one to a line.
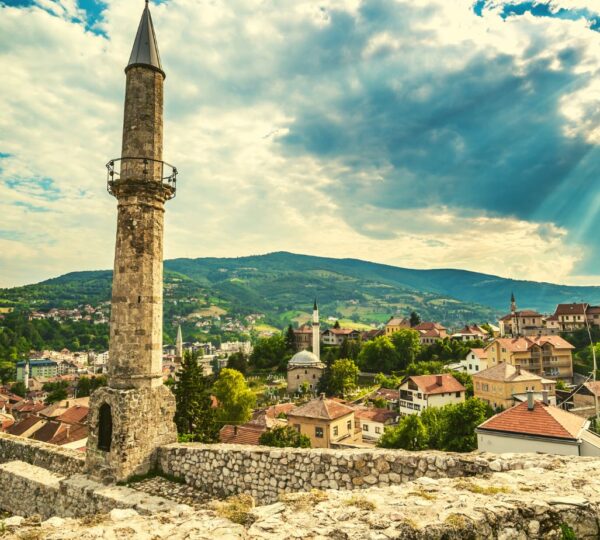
143,172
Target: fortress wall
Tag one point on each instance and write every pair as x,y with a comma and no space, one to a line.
49,456
222,470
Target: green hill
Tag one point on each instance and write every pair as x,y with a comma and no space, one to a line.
283,285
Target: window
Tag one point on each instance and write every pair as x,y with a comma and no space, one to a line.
377,429
335,431
314,376
457,394
104,427
318,432
349,425
297,376
297,427
365,427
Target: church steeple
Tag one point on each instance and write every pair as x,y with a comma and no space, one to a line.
145,47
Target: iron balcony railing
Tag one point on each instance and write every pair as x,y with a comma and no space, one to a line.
144,169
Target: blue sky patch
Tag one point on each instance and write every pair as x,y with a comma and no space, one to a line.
39,188
543,9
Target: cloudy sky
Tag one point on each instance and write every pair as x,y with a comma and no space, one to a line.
419,133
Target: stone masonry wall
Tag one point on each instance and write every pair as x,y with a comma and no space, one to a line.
49,456
265,473
28,490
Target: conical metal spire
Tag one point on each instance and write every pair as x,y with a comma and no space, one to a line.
145,48
315,306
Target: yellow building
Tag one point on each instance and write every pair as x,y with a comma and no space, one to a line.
546,356
503,385
325,422
395,324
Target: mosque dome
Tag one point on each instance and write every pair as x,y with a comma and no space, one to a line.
304,358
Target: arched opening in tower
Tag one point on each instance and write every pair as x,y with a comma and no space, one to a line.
105,428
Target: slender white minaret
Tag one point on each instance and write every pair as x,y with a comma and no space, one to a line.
316,330
26,376
179,344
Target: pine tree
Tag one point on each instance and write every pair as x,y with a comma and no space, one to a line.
415,320
194,416
290,340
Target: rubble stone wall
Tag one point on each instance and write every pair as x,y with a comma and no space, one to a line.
28,490
49,456
265,473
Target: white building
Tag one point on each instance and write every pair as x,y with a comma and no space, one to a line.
418,392
373,422
536,426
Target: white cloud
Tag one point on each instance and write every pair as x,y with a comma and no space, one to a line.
229,93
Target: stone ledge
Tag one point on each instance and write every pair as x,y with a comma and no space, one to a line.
49,456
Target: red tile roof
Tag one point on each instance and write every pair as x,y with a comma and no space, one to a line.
74,415
542,421
244,434
428,384
522,313
326,409
70,434
387,393
480,353
375,415
570,309
25,425
505,372
429,326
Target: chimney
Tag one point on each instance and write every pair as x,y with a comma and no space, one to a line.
235,430
438,380
530,402
545,397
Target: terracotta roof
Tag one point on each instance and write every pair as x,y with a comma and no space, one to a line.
395,321
48,431
268,417
428,384
74,415
70,434
321,407
480,353
522,313
25,425
429,333
570,309
387,393
342,331
429,326
244,434
593,387
505,372
28,407
522,344
375,415
542,421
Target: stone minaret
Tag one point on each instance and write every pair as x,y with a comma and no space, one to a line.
179,344
133,415
316,332
26,376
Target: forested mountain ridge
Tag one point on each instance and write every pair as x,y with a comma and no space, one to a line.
283,285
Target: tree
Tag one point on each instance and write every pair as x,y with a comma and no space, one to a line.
344,377
194,415
86,385
410,434
407,344
415,320
236,400
378,355
239,362
388,381
19,389
337,324
465,379
290,340
460,422
284,436
560,385
57,391
269,353
350,348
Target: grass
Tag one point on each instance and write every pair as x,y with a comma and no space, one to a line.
567,532
304,501
360,502
456,521
237,509
423,494
481,490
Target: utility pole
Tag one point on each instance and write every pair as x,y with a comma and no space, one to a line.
595,367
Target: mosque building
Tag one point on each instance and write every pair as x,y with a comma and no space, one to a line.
306,366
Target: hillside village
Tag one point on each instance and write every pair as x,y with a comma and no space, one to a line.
519,368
